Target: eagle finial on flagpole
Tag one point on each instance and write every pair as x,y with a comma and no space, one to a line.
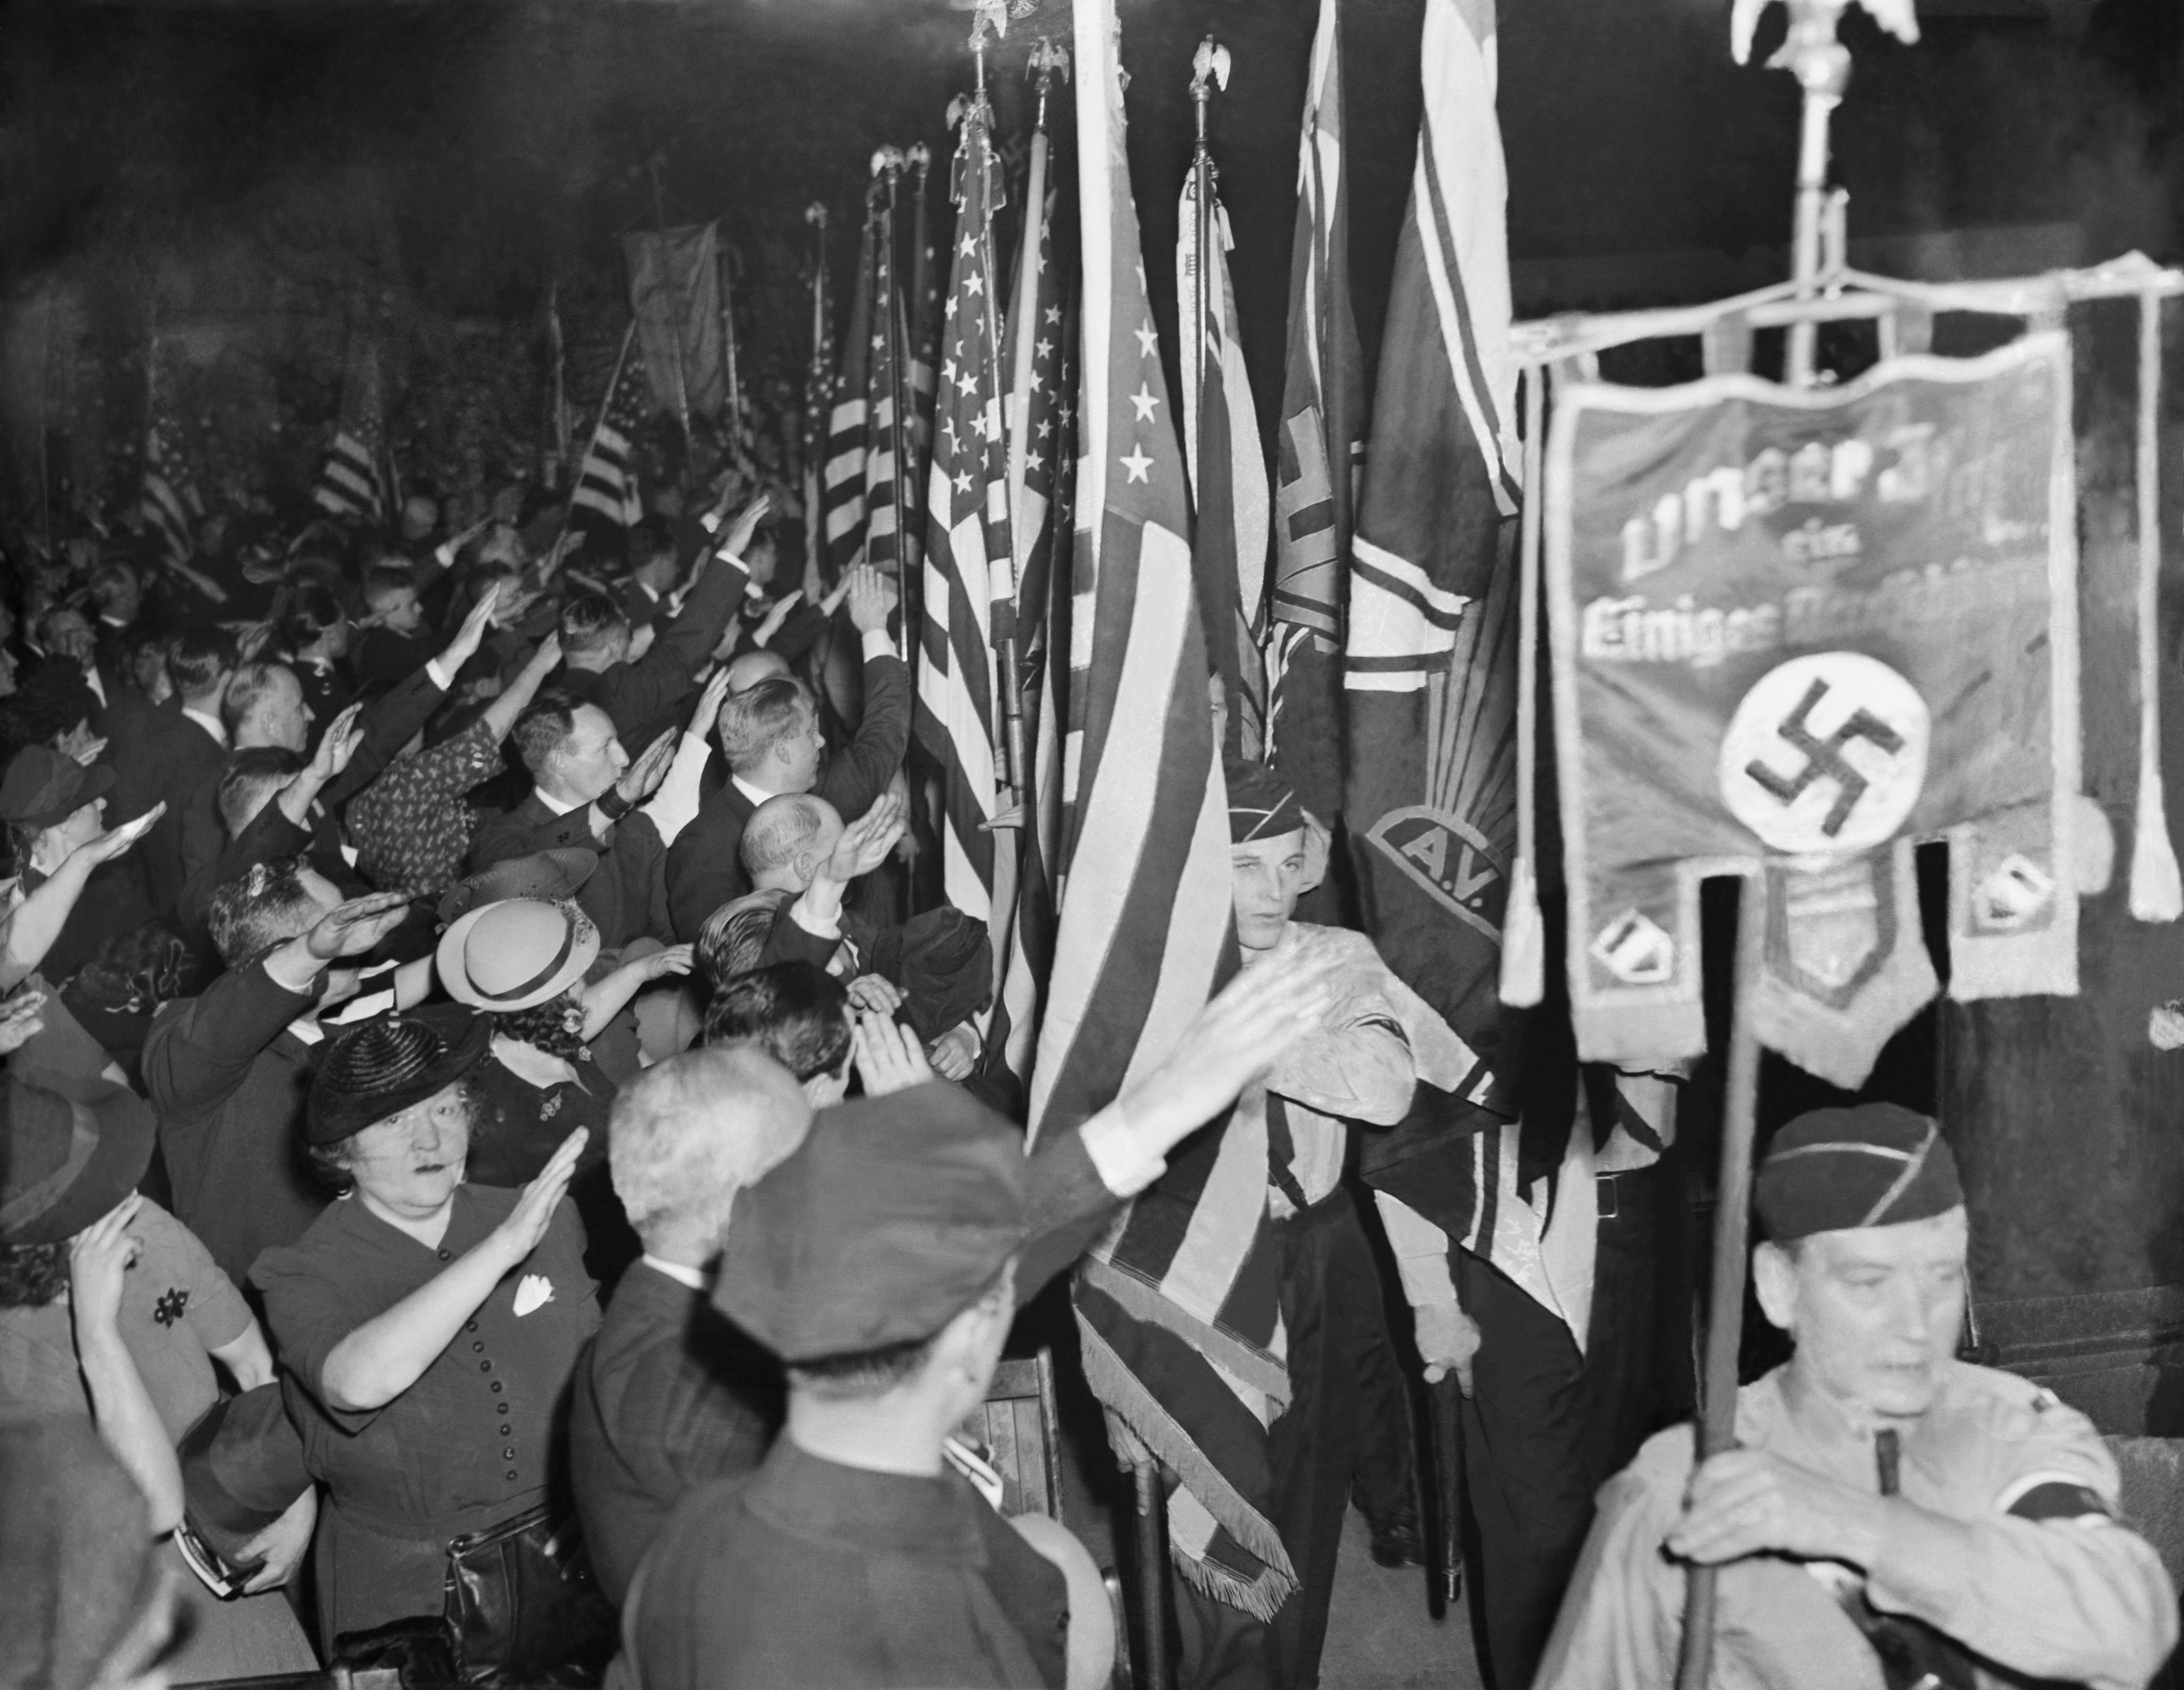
1812,40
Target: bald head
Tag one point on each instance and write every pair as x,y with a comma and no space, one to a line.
788,839
746,672
690,1133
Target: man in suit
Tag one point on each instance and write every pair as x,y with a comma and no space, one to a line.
174,749
642,697
672,1395
585,798
771,739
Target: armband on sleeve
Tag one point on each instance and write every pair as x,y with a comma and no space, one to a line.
2055,1496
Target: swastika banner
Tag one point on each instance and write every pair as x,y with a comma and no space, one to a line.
1807,628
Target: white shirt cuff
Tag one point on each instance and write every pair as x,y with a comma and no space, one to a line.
809,920
436,673
1125,1166
1421,1252
877,644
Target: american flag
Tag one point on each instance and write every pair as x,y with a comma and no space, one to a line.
350,482
171,502
818,404
1322,420
844,476
606,481
884,376
1041,341
970,575
1191,1361
925,328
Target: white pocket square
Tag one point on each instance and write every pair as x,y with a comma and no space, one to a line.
534,1292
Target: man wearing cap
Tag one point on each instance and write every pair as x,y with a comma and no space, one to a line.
853,1556
1890,1510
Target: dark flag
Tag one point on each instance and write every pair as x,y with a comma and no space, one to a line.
1228,474
1431,661
969,600
843,494
1042,462
606,481
350,482
1323,421
1184,1345
888,444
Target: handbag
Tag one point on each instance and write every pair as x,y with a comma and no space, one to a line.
522,1606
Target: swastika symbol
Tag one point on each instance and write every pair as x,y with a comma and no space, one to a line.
1823,758
1863,733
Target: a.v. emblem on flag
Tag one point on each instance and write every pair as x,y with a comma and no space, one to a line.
1449,860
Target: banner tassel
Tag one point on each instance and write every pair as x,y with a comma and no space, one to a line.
1524,933
2157,893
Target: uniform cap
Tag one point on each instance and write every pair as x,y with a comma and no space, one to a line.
1877,1165
894,1215
1262,805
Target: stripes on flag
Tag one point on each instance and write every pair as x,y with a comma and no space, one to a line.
607,479
1432,663
969,597
885,376
1145,932
842,477
349,482
169,500
818,406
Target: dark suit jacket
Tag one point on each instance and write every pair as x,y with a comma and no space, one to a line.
672,1395
387,725
163,757
706,866
626,895
645,697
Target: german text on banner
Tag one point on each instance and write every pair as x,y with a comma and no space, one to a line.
1803,625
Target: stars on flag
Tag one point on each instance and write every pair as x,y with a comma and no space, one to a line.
1137,463
1148,340
1144,400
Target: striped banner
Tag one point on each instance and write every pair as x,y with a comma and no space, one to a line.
1430,667
843,478
607,480
1183,1295
969,597
1316,445
885,378
349,483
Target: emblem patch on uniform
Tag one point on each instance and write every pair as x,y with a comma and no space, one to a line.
1636,949
1825,753
536,1291
174,1303
1451,861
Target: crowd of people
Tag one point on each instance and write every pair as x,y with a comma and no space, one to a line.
499,1175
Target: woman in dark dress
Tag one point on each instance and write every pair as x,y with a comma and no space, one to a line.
428,1327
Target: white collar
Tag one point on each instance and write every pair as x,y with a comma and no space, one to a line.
693,1277
553,803
757,795
211,724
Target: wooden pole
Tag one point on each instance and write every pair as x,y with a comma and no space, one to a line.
1152,1576
1732,1231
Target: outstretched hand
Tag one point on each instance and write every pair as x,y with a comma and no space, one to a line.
710,702
642,779
21,1020
739,532
527,1223
468,637
114,841
872,597
351,929
771,625
337,745
1232,1042
888,1057
864,844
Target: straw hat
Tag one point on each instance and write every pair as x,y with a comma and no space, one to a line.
516,953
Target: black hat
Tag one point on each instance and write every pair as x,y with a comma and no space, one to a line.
71,1147
1878,1165
242,1465
43,787
894,1214
380,1067
547,876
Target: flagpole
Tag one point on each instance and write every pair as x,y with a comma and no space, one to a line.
1821,64
817,412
